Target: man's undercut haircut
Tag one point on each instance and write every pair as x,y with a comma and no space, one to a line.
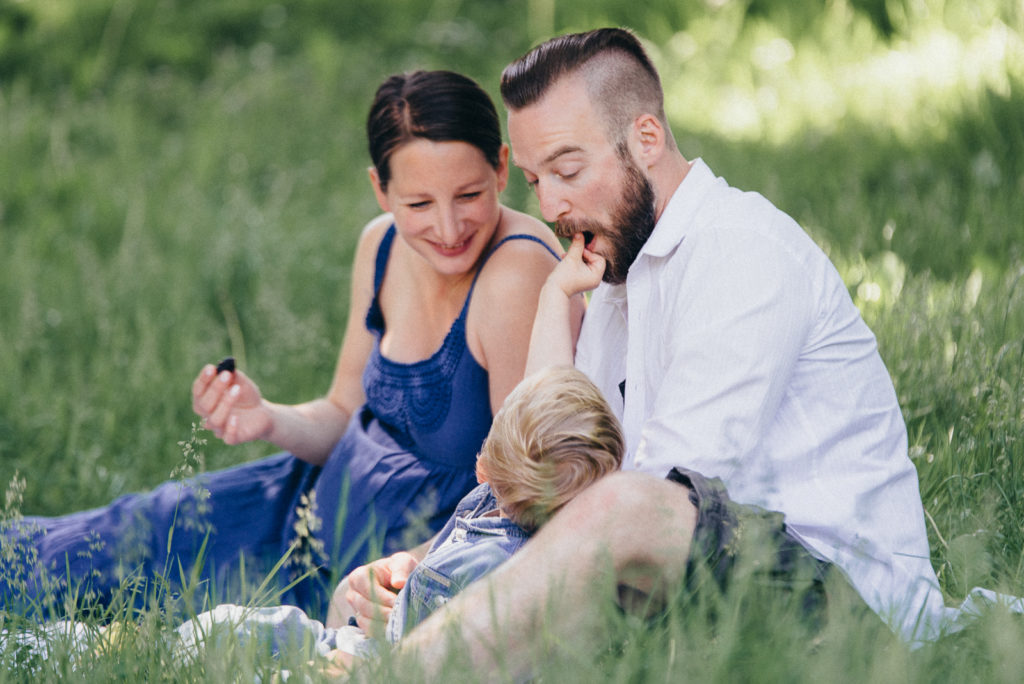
620,78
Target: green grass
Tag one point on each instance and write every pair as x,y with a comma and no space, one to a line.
192,186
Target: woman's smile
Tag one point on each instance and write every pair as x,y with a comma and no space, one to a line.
451,250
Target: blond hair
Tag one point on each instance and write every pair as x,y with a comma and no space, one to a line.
554,435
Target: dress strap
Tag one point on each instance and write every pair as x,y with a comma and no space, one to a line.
375,317
383,253
516,236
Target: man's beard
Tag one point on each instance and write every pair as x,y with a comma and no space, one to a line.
632,223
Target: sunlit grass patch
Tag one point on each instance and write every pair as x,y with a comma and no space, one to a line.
752,80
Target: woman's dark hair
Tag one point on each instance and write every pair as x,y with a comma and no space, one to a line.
436,105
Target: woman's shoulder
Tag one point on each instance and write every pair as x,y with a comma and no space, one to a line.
519,264
370,238
523,238
374,230
517,223
372,234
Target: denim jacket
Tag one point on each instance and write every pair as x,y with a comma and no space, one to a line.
468,547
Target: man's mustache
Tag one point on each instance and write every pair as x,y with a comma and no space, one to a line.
566,229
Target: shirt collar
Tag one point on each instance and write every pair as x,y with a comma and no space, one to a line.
671,227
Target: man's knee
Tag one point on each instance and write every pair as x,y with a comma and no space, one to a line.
636,498
641,516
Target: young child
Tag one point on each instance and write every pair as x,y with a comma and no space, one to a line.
554,435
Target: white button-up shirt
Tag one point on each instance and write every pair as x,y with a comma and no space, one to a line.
744,358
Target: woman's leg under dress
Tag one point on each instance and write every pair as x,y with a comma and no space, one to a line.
210,534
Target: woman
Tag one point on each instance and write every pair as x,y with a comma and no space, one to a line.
444,291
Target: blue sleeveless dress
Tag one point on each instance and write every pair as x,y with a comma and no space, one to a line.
405,460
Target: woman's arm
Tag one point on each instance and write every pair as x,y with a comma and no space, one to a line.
232,406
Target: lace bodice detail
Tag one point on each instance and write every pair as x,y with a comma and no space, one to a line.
438,407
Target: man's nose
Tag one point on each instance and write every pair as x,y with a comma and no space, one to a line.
553,205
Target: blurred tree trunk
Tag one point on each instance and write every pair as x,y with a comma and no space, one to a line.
541,19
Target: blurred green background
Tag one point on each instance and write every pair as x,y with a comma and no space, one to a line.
183,179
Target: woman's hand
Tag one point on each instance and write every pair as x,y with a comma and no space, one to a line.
580,270
230,405
372,589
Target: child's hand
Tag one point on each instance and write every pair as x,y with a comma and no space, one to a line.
580,269
372,589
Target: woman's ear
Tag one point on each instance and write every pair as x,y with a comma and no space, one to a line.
502,168
481,472
378,191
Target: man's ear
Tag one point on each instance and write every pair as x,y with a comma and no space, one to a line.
378,191
648,139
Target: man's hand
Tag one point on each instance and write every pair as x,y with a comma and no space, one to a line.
372,590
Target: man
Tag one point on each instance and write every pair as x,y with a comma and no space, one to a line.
726,342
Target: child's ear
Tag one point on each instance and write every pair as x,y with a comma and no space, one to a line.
481,472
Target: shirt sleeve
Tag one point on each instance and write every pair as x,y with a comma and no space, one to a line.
735,318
